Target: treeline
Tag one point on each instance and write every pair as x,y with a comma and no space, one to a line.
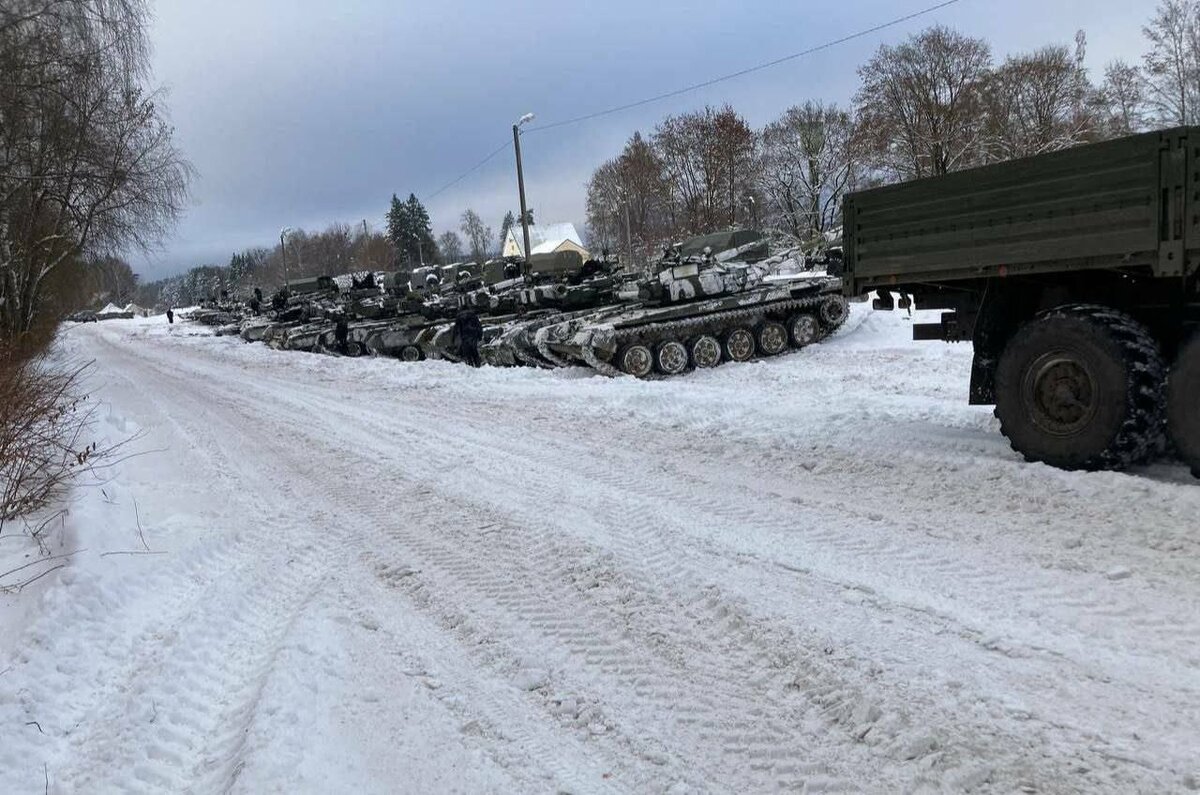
936,103
340,248
88,167
87,162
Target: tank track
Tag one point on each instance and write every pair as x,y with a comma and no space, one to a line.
677,329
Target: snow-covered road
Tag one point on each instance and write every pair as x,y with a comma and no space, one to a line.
822,571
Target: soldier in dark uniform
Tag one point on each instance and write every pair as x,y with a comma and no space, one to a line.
341,333
470,334
170,316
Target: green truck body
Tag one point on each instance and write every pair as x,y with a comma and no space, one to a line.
1129,203
1064,270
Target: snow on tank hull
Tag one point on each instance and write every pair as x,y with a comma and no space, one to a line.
765,320
254,330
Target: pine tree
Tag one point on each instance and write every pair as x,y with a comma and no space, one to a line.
399,227
410,231
421,230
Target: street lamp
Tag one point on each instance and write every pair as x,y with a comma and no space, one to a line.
287,230
420,252
521,179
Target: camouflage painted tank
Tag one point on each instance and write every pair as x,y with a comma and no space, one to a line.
702,309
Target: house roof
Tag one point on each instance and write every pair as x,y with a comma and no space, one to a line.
550,246
540,234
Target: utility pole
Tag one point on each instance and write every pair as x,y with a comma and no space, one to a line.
521,180
283,255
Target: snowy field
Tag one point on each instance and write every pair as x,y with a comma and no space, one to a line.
823,572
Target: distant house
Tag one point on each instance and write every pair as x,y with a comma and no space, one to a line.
544,239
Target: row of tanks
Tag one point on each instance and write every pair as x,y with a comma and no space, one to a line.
708,300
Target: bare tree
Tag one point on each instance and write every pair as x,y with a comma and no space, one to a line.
708,160
1037,103
87,162
1122,100
808,162
112,279
629,201
1172,67
478,235
920,104
450,246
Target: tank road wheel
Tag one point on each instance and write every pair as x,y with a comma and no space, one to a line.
636,359
834,310
671,357
1081,387
705,351
772,338
1183,404
411,353
738,345
355,348
803,329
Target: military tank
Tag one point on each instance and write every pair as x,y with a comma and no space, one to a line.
700,310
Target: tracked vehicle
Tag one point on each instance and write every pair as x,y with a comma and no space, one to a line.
701,309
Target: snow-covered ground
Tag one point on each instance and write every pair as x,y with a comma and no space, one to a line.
824,571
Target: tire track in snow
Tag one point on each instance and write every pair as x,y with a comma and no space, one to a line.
218,767
751,746
749,515
854,542
196,677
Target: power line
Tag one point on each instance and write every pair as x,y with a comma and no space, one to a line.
758,68
697,86
470,170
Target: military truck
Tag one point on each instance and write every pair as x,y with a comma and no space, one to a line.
1076,274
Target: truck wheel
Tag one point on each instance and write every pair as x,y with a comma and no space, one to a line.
833,312
804,329
635,359
772,338
1183,404
705,351
1081,387
671,357
738,345
410,353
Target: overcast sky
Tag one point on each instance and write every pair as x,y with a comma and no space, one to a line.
302,113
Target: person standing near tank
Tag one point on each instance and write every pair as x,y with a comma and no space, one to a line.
470,334
170,316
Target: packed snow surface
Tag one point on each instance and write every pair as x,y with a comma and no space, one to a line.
823,572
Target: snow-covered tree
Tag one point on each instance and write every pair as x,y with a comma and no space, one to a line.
808,162
1172,67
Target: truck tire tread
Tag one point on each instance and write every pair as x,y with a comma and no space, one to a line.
1141,433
